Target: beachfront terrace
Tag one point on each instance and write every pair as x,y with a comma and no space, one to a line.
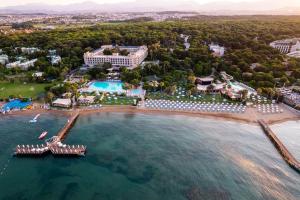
182,95
114,99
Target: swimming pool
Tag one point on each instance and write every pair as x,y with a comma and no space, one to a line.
236,87
15,104
107,86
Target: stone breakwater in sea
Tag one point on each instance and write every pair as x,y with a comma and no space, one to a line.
287,156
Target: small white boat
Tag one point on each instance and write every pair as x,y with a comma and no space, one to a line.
43,135
34,120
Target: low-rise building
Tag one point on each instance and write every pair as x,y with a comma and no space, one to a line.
136,55
217,50
206,84
23,65
289,97
55,60
291,47
3,59
225,76
38,74
64,103
29,50
204,80
295,54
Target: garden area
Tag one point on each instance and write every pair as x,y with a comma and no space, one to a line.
32,90
181,95
113,99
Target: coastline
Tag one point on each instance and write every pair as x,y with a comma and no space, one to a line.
250,117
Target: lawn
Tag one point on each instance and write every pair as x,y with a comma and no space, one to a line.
216,98
20,89
117,100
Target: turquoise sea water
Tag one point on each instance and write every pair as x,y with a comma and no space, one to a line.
149,157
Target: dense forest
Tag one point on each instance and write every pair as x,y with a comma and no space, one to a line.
246,40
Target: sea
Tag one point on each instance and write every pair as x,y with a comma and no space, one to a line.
149,157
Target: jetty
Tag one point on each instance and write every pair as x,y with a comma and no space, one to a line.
63,132
54,145
284,152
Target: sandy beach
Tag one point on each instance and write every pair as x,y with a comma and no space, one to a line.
250,116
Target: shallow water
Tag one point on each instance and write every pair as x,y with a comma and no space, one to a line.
289,134
137,156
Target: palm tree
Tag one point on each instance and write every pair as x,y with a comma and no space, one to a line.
243,94
161,84
49,96
189,93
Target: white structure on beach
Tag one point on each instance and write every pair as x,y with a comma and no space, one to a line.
23,65
217,50
291,47
64,103
136,56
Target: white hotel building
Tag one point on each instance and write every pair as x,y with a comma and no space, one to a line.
136,56
291,47
23,65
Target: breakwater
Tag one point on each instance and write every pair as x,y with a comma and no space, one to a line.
284,152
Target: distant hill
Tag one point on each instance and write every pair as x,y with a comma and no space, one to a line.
218,7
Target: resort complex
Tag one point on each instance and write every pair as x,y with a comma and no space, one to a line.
117,56
140,105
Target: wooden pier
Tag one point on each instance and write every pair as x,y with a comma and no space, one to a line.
63,132
287,156
54,144
31,150
71,150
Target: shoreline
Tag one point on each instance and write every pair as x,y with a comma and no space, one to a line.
247,118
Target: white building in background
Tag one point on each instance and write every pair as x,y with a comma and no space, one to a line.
3,59
136,56
55,60
217,50
23,65
291,47
30,50
38,74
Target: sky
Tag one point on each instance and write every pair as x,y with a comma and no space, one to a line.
4,3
